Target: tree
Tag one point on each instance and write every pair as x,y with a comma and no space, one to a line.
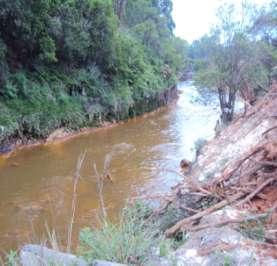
231,61
119,7
265,23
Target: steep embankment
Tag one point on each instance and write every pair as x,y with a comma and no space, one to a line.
75,64
228,200
15,138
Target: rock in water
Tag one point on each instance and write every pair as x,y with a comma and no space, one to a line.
185,164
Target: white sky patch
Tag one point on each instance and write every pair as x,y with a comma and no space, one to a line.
194,18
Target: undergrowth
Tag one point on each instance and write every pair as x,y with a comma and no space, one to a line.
132,241
10,259
35,104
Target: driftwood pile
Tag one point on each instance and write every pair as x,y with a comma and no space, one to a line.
248,184
255,177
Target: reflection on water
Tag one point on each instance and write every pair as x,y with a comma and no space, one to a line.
36,184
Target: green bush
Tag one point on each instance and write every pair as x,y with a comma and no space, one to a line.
131,241
73,63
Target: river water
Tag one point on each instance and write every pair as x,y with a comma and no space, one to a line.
144,154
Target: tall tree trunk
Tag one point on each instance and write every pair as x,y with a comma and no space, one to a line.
227,98
119,7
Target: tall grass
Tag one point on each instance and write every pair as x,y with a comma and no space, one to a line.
11,259
76,179
131,241
100,185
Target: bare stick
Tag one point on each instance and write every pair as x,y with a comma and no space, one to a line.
100,185
222,246
178,226
267,163
226,222
270,129
239,164
257,190
76,179
189,209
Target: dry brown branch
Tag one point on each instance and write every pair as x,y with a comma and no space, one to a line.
163,208
100,185
226,222
222,246
76,179
188,209
246,174
197,194
229,174
257,190
181,224
267,163
270,129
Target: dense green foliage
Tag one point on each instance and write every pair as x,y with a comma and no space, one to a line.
74,63
239,55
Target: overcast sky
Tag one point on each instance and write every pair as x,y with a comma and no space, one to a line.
193,18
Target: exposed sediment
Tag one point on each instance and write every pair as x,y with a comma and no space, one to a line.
231,189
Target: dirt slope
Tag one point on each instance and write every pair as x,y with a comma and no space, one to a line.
232,187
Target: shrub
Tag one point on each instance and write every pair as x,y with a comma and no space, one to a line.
131,241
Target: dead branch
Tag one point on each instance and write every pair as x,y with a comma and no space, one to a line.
222,246
267,163
100,184
188,209
178,226
226,222
239,164
262,163
257,190
270,129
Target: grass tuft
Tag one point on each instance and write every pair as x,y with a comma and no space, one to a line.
131,241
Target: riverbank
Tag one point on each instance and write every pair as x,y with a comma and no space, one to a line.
146,152
226,204
197,214
222,213
141,108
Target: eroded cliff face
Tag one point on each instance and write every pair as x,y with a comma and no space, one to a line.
231,191
243,135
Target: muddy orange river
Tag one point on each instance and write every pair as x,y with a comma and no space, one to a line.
36,183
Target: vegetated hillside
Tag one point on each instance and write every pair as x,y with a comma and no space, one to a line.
76,63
